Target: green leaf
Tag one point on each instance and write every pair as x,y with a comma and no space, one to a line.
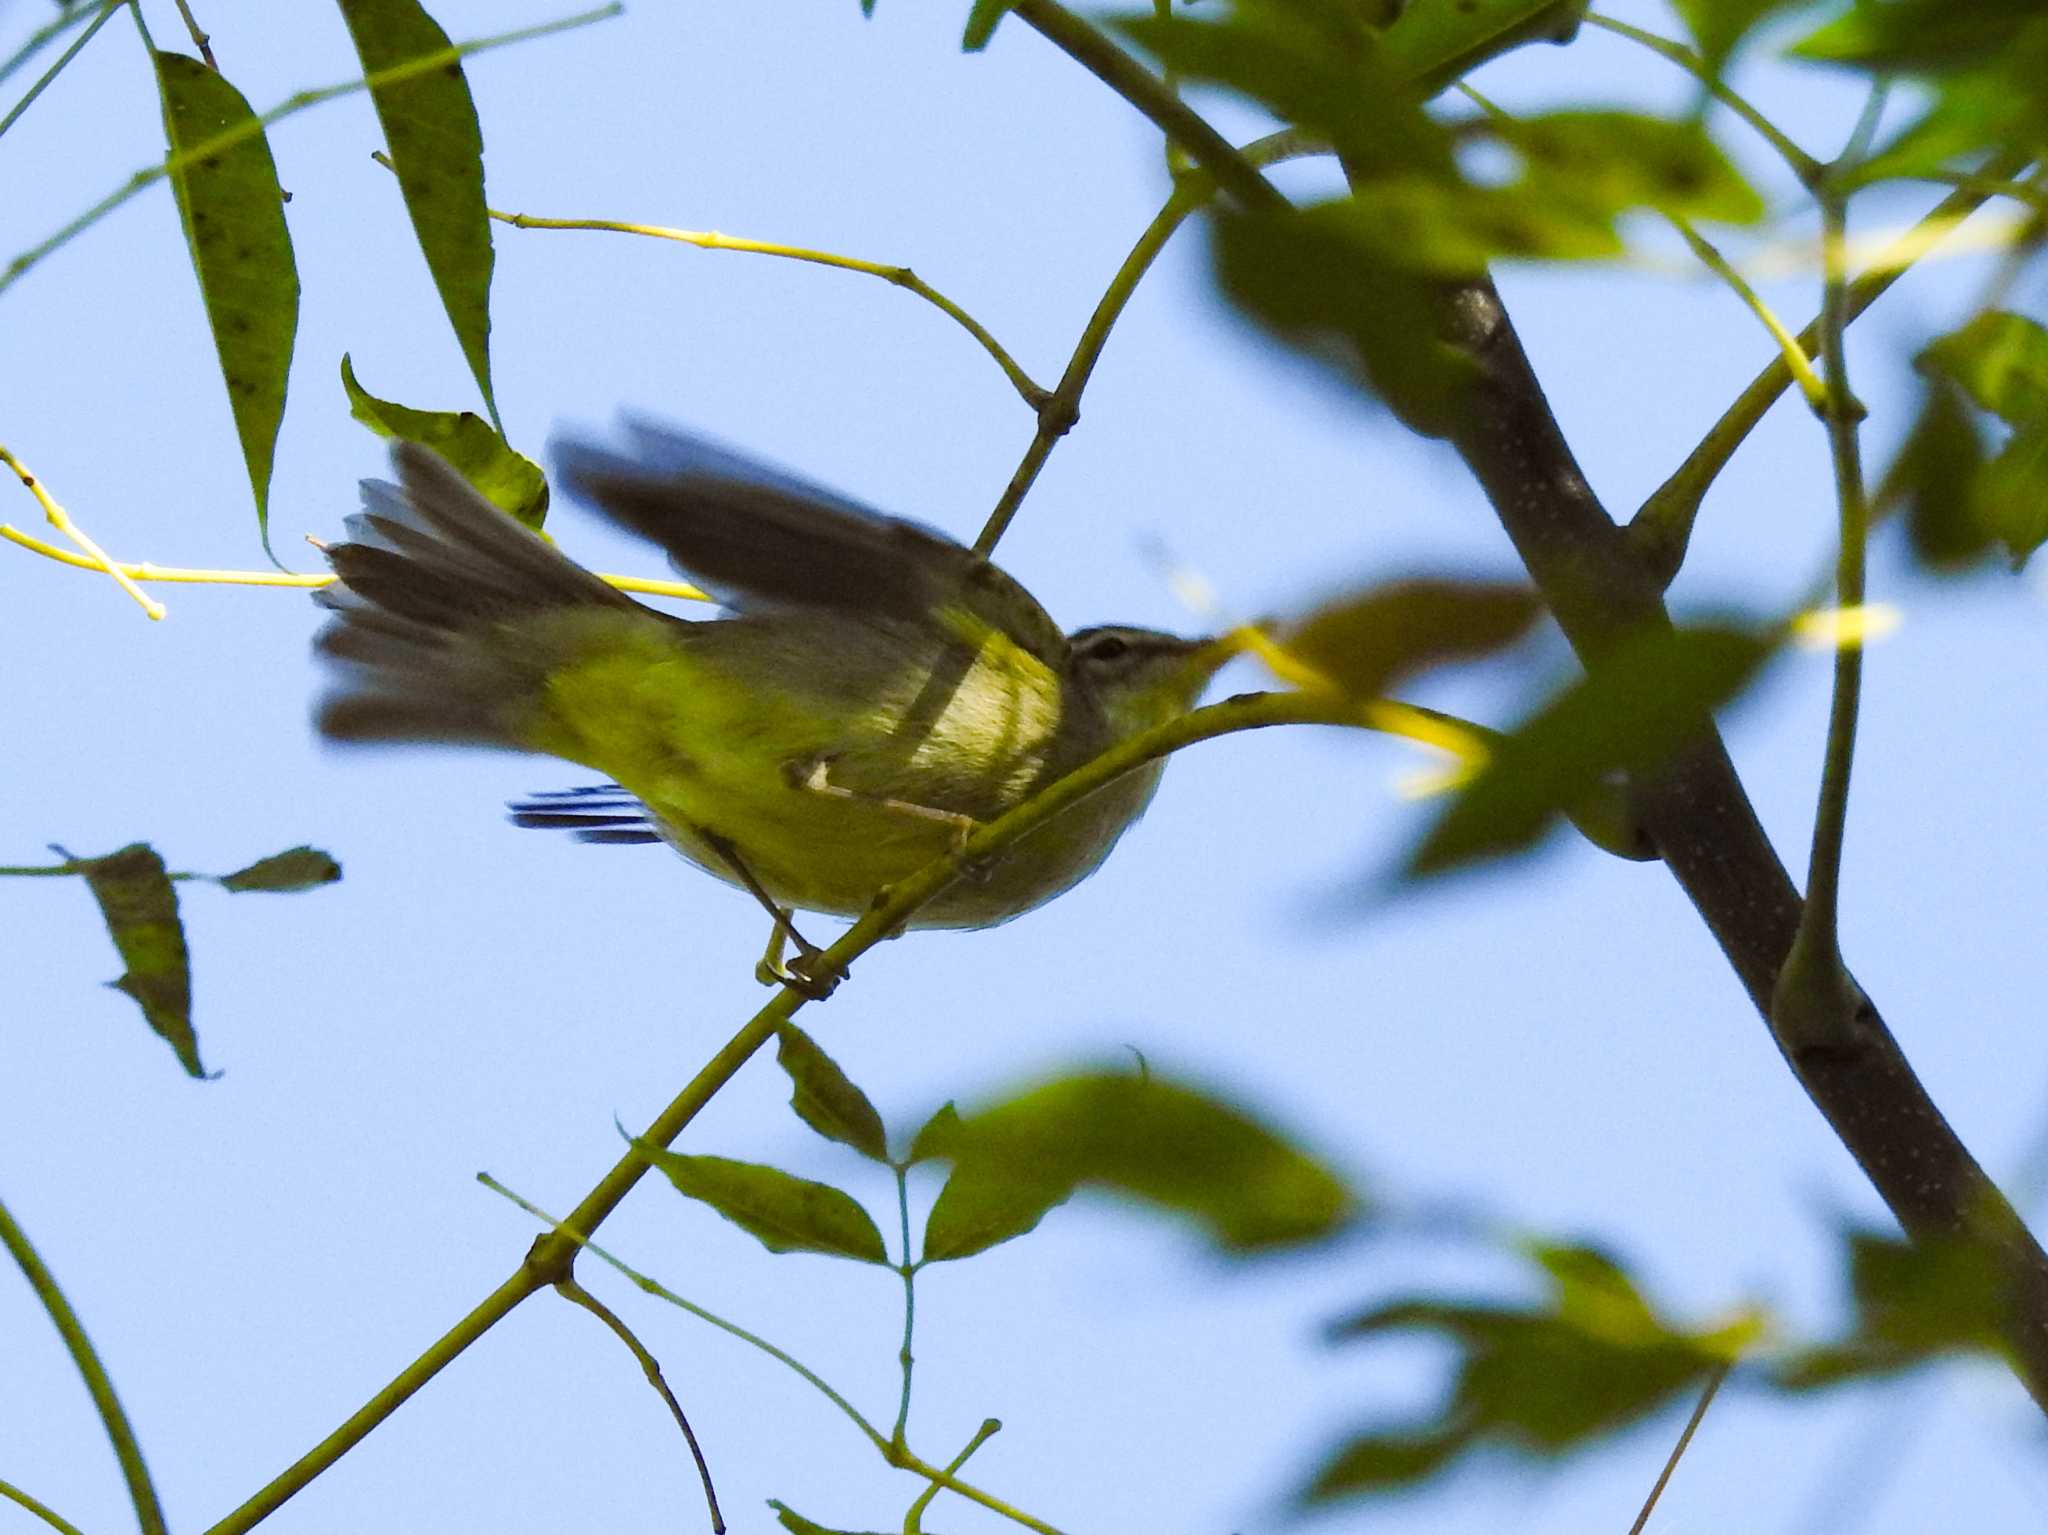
1640,707
1318,64
233,212
981,22
474,449
1538,1381
1916,1302
1171,1146
984,1202
298,868
1367,641
930,1140
2013,493
1319,278
1608,162
1437,41
430,128
1936,478
785,1213
797,1524
140,906
1923,35
2001,361
825,1098
1719,27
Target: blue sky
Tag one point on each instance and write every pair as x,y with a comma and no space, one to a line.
1556,1041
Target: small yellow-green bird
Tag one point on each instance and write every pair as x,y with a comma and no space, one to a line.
877,692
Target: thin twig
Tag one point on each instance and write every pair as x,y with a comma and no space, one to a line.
650,586
57,68
553,1256
913,1517
899,276
59,519
41,1510
1803,165
1714,1379
200,39
48,33
573,1292
908,1269
141,1492
1662,528
1789,349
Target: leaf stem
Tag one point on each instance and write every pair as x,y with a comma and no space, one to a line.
900,276
908,1270
574,1293
1803,165
141,1492
648,1284
1789,349
57,68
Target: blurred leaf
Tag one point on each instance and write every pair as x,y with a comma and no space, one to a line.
1612,161
140,906
982,20
1156,1141
1936,477
1640,707
1368,641
233,212
2013,493
797,1524
299,868
825,1098
1436,41
430,128
2001,361
1318,278
1317,64
785,1213
1719,27
1539,1381
474,449
1921,34
1916,1302
1969,112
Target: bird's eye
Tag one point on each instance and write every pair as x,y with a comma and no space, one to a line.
1108,647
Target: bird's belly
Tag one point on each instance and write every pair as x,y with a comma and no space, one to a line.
833,853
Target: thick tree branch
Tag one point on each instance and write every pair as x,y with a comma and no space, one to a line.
1704,826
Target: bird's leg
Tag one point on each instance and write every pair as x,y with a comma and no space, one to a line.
771,971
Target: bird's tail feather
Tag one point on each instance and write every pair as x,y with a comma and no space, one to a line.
446,612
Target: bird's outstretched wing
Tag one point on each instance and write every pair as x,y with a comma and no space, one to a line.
757,537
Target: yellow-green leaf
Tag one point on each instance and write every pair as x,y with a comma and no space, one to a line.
233,212
473,447
140,906
298,868
785,1213
1367,641
437,148
825,1097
